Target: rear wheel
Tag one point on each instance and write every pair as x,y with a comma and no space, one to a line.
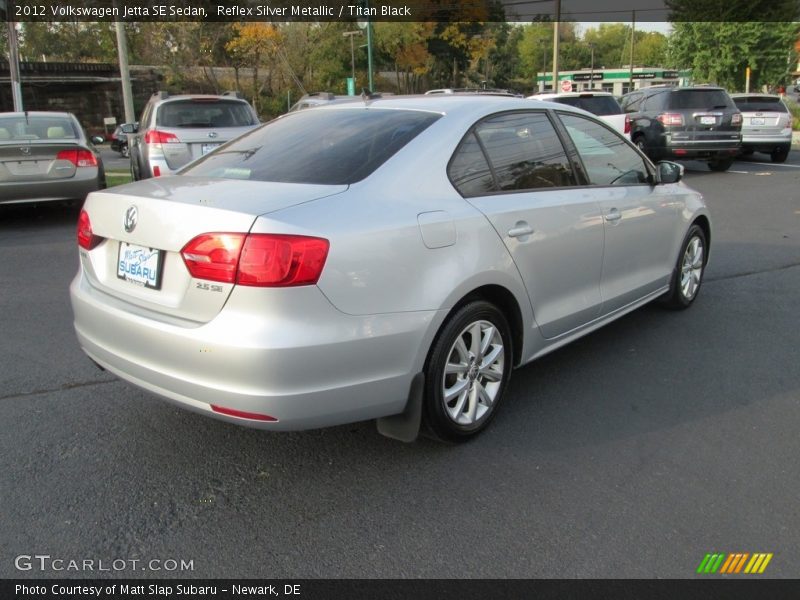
640,143
722,164
780,154
123,150
688,273
467,371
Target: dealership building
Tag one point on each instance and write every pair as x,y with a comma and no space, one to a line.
615,81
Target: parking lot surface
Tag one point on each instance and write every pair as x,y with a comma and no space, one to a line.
630,453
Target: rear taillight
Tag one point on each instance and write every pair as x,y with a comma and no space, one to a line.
257,259
86,238
736,119
154,136
671,119
78,157
627,124
214,256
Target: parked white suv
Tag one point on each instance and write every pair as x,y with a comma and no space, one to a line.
602,104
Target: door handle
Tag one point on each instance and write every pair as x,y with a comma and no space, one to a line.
521,230
613,215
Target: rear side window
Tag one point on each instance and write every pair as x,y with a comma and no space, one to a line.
525,152
699,99
760,104
597,105
327,147
469,172
205,113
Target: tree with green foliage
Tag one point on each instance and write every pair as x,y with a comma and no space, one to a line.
720,52
68,41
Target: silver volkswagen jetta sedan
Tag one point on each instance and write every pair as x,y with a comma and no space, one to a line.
390,259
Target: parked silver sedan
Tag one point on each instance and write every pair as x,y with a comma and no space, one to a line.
390,259
46,156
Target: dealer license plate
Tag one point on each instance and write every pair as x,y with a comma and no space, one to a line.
140,265
206,148
708,120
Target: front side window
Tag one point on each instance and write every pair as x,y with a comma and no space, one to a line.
524,151
607,158
325,146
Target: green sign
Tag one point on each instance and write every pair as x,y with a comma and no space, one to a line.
351,86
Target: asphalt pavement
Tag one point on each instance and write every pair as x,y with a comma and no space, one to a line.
630,453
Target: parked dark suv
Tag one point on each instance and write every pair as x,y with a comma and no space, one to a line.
693,123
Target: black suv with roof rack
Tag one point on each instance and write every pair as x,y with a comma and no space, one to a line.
691,123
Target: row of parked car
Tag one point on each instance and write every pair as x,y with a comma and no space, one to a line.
698,123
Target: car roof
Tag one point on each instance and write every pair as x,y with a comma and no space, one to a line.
755,95
570,94
37,113
467,106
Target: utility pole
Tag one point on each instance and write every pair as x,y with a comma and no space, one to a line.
125,73
556,32
633,31
369,48
13,63
591,71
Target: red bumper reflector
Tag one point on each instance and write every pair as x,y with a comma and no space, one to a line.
680,152
242,414
156,171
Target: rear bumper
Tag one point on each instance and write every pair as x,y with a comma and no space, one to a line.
75,188
298,360
766,143
688,148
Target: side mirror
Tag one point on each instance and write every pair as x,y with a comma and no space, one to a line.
98,139
130,127
669,172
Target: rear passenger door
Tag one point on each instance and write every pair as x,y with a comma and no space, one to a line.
514,169
640,218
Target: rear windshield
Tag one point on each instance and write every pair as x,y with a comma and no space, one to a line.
760,104
597,105
699,99
328,147
37,128
205,113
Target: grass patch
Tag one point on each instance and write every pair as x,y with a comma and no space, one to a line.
113,179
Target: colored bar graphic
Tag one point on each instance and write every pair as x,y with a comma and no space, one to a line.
765,563
702,567
726,564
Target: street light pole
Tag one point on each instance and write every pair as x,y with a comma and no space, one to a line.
556,32
125,73
591,72
350,34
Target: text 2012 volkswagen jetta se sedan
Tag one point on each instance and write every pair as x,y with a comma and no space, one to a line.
390,259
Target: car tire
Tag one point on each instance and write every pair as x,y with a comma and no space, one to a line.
722,164
780,154
687,277
467,371
746,152
124,151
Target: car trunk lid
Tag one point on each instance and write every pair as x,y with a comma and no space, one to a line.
42,161
145,226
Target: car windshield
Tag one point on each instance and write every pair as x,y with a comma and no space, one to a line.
699,99
329,147
199,112
760,104
597,105
36,127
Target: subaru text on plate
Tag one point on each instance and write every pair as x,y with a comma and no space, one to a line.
390,259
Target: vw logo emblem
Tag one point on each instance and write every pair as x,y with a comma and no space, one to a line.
212,134
131,218
25,149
